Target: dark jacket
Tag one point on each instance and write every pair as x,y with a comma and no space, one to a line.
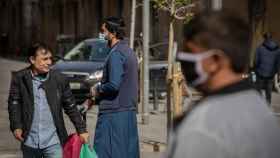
267,59
59,96
119,85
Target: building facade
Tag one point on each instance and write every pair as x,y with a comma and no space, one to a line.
26,21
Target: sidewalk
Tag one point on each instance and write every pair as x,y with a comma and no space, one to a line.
9,147
153,136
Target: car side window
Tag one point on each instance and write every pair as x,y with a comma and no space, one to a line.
99,51
88,51
77,53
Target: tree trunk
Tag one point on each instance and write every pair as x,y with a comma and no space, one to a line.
174,78
170,93
176,84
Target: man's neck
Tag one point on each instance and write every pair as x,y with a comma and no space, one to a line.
36,73
113,42
223,79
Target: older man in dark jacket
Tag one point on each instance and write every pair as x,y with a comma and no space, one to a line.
36,100
267,62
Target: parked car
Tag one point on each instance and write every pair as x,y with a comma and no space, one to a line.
83,65
65,42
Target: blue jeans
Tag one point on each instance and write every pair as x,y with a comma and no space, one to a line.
54,151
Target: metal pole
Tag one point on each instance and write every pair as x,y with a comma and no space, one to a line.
217,4
146,34
132,26
170,92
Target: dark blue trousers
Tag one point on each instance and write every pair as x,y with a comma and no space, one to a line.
116,135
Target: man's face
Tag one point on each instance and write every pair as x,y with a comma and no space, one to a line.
42,61
105,31
198,64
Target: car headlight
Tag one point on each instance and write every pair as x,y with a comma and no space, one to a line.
95,77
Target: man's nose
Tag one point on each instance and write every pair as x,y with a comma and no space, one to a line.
49,62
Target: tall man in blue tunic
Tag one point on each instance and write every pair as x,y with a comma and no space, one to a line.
116,130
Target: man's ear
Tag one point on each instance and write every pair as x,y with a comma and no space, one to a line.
217,61
32,59
212,64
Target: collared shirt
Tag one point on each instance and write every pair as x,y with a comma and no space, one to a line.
43,131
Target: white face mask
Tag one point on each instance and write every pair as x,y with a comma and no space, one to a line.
101,36
192,67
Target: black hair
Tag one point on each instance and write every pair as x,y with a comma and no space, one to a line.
32,51
115,25
267,35
222,30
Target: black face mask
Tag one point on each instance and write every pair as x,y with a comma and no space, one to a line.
188,70
192,67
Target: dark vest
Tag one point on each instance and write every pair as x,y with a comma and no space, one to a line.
127,96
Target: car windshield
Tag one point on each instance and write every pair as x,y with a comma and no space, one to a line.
88,51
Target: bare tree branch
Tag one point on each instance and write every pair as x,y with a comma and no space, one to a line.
164,8
187,7
184,11
183,17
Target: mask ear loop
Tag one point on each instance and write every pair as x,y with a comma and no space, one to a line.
197,58
203,76
186,56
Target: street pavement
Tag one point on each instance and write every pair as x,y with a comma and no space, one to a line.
9,147
153,136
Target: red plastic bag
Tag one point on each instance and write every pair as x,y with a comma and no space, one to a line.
72,147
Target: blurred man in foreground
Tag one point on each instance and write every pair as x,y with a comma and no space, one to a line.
231,120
